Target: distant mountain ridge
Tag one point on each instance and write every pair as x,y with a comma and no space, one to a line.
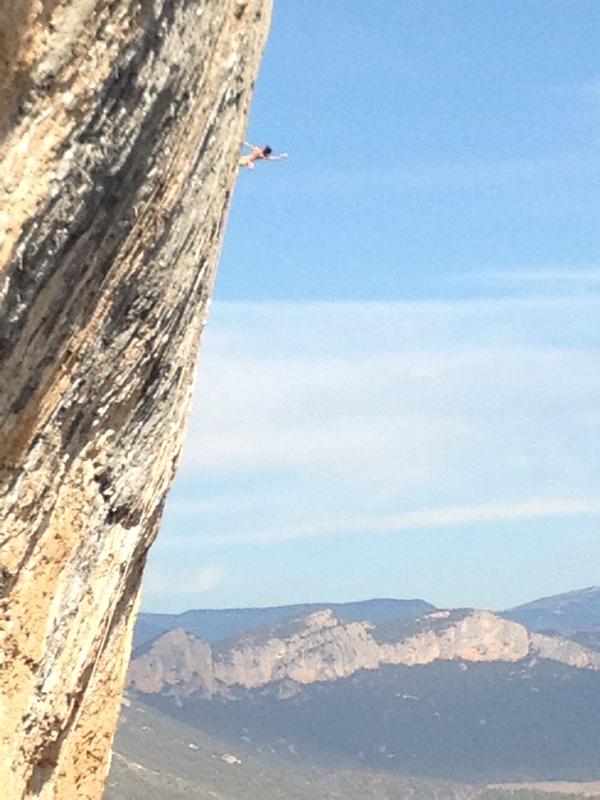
212,625
565,613
320,647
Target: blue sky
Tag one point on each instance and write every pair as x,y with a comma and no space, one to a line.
399,392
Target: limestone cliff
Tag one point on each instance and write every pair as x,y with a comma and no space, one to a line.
320,647
176,659
121,127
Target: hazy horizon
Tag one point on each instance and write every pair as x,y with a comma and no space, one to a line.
329,601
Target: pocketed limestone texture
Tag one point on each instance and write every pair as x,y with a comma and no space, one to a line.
121,126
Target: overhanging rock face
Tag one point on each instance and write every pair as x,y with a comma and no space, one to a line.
122,121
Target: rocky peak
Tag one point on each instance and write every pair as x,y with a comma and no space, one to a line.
322,619
176,659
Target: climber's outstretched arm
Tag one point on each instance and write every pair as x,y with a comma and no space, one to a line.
277,157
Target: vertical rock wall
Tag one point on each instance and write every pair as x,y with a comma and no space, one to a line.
121,125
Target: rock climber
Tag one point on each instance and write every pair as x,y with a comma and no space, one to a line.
258,154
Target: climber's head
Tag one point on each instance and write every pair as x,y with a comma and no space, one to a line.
266,151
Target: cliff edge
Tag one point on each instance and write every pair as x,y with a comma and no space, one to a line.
121,126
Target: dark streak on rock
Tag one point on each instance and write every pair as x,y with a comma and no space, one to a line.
105,190
124,515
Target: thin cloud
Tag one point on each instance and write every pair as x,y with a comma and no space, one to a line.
588,91
188,580
263,414
410,521
204,580
360,419
580,277
424,177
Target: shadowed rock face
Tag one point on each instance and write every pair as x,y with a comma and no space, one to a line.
122,122
320,647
